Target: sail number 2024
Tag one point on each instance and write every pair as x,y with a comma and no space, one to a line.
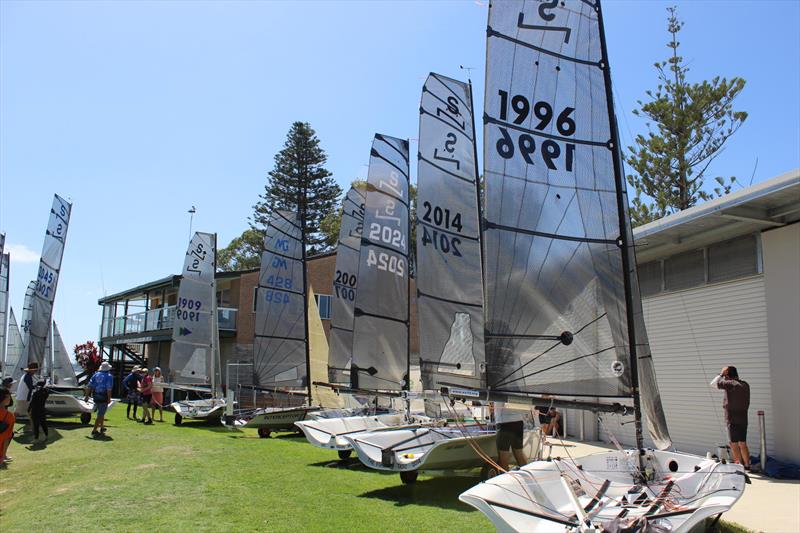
549,149
387,262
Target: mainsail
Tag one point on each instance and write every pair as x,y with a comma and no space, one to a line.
561,280
14,349
61,371
4,274
27,312
318,357
345,285
449,280
381,325
47,280
194,358
280,329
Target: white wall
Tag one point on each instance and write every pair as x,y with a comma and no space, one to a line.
781,253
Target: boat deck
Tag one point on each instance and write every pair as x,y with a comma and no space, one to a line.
768,505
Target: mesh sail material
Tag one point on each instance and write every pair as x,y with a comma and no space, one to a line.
47,278
193,330
449,281
14,348
345,285
553,256
280,334
4,272
62,372
380,328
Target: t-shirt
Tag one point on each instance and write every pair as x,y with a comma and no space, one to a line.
25,387
737,400
503,414
158,384
38,399
101,383
131,382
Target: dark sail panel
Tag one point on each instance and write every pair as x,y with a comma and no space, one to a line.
557,317
449,280
280,343
4,302
345,286
380,333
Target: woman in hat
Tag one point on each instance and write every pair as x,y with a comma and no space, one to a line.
25,390
158,393
146,391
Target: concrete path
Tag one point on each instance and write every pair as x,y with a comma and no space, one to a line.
767,505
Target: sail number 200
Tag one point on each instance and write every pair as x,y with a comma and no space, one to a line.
549,149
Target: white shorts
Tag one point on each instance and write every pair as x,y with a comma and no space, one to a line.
21,408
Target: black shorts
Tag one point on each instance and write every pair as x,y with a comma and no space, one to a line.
509,436
737,432
146,399
545,419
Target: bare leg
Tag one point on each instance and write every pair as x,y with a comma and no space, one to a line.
3,449
503,458
519,456
98,423
735,452
744,453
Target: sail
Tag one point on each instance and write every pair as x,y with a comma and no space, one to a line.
4,274
25,327
380,328
62,372
14,349
47,280
449,271
280,329
193,335
345,285
556,210
318,357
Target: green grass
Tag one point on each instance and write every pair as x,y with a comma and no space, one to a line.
198,478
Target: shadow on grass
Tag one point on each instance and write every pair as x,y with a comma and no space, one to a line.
26,438
439,492
351,463
214,428
101,437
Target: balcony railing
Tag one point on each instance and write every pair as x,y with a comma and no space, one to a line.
158,319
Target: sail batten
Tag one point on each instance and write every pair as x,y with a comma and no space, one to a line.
381,314
5,262
345,286
449,263
47,279
560,291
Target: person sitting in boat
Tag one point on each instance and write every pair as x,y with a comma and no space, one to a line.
735,405
510,434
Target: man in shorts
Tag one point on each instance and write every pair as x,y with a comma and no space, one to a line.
735,405
510,434
100,388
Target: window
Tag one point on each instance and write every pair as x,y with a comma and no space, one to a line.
685,270
324,305
650,278
224,298
732,259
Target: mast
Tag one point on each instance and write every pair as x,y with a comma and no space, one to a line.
214,325
623,238
407,386
302,206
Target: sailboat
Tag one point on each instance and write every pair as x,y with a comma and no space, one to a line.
4,304
449,291
66,398
194,359
25,327
14,346
564,315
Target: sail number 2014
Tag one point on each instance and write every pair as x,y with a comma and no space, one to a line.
549,149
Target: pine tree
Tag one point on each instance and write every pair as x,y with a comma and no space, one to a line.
693,122
299,168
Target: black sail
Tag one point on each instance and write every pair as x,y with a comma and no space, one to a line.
557,228
280,329
345,286
380,332
449,271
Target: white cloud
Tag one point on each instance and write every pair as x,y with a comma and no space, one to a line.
21,253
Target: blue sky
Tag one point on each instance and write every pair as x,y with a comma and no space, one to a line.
139,110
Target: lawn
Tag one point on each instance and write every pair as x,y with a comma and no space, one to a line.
198,478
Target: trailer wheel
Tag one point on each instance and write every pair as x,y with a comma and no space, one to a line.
409,477
487,472
178,419
264,432
86,418
345,454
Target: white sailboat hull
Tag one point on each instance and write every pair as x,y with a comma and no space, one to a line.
333,433
207,409
551,496
431,448
279,418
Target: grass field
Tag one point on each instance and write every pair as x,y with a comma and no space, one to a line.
198,478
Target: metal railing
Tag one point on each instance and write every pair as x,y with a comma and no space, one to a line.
159,319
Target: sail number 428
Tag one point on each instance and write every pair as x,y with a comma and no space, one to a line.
549,149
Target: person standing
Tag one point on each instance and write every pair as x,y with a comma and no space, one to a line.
25,390
735,405
146,391
510,434
131,386
158,393
100,388
7,420
36,409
